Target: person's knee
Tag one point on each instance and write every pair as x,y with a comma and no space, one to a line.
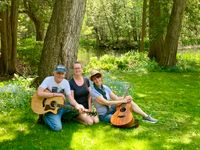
89,121
96,120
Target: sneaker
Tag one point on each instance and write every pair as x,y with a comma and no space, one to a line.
150,119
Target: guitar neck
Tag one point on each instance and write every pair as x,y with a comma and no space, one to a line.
93,113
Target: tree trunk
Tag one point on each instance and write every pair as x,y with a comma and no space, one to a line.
156,30
62,38
143,32
37,20
173,32
9,38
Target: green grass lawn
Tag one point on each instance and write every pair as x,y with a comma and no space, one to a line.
173,98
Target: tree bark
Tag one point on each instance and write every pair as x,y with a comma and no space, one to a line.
37,20
143,28
62,38
9,23
156,31
168,58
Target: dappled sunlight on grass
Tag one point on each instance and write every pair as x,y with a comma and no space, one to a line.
12,126
141,95
110,138
174,101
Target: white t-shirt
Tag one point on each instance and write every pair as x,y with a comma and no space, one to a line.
50,84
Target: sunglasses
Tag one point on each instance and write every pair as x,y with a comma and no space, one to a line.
96,77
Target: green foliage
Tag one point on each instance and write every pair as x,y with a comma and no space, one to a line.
189,61
15,93
117,23
131,61
29,52
4,4
36,10
114,23
190,33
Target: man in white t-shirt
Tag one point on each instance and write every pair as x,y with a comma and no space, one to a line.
58,86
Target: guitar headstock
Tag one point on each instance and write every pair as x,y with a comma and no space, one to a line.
127,88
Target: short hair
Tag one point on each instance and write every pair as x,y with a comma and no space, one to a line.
78,62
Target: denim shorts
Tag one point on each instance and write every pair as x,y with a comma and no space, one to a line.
106,118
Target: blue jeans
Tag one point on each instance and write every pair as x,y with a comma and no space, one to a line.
106,118
54,120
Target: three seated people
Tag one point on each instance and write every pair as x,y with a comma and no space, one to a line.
80,95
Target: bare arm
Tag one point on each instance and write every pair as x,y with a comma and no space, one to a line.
89,100
90,103
75,104
117,98
103,101
41,92
71,99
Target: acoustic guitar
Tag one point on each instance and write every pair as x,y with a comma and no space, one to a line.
41,105
123,116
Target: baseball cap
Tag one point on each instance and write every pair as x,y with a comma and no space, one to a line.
60,68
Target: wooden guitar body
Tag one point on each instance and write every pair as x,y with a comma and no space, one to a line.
123,116
42,105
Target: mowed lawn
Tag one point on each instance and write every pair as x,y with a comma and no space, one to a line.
173,98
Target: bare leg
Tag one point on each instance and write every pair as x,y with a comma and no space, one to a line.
95,119
137,109
85,119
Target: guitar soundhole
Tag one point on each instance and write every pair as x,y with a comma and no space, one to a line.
123,109
53,104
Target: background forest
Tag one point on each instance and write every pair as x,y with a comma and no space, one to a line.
115,26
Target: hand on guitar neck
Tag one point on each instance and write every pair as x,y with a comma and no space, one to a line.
127,99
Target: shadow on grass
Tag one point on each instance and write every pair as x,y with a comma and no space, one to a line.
20,131
167,134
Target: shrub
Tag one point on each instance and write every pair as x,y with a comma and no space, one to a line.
29,52
15,93
188,62
131,61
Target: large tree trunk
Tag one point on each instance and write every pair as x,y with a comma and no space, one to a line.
9,38
62,38
168,58
156,30
143,28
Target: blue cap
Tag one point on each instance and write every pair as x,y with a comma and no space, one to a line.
60,68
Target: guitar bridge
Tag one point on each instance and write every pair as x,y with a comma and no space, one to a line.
122,116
